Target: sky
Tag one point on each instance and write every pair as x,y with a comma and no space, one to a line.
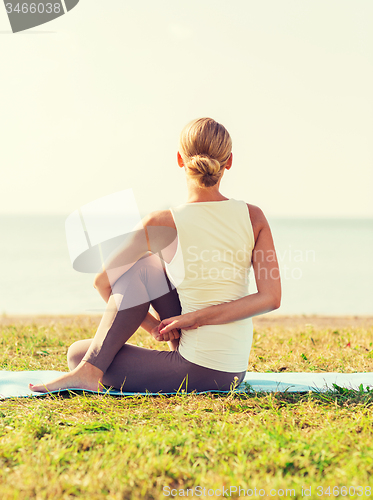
93,102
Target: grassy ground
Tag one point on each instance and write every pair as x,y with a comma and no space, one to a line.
275,445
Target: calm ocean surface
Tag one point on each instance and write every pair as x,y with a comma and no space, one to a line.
326,267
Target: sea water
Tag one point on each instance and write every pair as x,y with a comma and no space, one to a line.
326,267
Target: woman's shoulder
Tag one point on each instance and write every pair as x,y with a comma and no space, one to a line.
159,218
258,219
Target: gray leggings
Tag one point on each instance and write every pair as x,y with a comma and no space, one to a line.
135,369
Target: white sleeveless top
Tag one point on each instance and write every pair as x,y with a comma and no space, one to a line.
211,266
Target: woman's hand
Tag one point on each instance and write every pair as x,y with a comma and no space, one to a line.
172,334
184,321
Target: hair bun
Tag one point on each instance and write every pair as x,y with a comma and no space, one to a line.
205,147
205,164
205,168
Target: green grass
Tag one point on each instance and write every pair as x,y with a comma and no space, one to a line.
98,447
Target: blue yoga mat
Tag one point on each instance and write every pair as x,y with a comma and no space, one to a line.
15,384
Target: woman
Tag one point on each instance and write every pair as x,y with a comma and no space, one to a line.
210,331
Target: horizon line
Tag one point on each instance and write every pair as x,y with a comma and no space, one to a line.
268,215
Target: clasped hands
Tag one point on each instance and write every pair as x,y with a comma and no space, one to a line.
169,328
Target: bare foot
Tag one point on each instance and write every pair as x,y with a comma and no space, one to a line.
84,376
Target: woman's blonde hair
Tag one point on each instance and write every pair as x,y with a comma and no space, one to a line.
205,147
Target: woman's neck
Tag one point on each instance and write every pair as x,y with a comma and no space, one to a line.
197,194
200,199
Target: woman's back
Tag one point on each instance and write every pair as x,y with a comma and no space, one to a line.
211,266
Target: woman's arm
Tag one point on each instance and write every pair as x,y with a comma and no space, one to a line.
267,298
121,260
154,236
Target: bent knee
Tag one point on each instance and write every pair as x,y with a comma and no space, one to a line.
76,352
146,271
